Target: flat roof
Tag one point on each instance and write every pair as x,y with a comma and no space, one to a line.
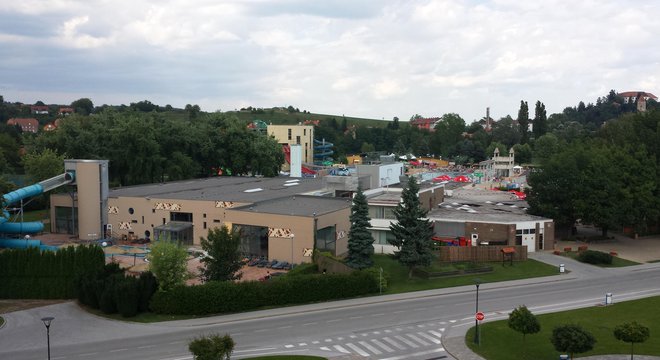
298,205
503,212
224,188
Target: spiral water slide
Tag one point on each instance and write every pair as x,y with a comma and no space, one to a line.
31,227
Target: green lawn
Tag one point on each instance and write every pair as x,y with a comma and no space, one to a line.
500,342
616,261
36,215
398,281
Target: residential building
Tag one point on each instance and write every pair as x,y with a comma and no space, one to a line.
288,135
26,124
39,109
425,123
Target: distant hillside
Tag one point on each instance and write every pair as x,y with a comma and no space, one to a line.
282,116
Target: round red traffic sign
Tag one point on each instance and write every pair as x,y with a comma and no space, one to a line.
480,316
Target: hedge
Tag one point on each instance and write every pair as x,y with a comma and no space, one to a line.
34,274
595,257
227,297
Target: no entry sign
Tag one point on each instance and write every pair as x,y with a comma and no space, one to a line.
479,316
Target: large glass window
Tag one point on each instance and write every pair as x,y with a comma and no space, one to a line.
326,239
254,239
181,216
65,221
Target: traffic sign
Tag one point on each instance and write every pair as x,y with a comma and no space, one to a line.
480,316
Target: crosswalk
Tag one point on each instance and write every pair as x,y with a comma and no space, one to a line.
384,343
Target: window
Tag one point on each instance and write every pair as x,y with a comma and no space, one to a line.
131,211
540,244
326,240
181,216
143,219
204,224
304,132
289,134
298,140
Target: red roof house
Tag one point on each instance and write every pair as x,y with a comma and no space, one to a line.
26,124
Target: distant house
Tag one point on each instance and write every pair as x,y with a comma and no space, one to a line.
65,111
640,97
26,124
425,123
50,127
39,109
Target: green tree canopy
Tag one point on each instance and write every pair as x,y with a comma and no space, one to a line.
223,262
412,231
83,106
360,242
523,321
168,263
572,339
523,122
632,332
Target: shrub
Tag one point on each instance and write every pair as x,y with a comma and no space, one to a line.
213,347
126,296
595,257
304,269
147,286
224,297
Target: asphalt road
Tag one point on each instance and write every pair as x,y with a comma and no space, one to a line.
393,327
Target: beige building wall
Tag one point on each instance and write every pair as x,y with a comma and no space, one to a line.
138,215
295,134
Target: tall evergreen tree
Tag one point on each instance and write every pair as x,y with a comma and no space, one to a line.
540,126
360,242
523,122
224,259
412,232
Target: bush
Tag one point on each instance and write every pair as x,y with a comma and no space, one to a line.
595,257
226,297
213,347
147,286
304,269
126,296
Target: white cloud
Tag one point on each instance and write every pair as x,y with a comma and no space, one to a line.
361,58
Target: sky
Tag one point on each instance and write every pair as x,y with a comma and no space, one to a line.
361,58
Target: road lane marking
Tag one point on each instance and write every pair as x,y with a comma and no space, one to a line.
146,346
429,338
252,350
370,348
406,341
289,346
412,336
88,354
357,349
415,354
383,346
117,350
394,343
341,349
439,335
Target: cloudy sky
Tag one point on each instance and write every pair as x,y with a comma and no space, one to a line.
376,59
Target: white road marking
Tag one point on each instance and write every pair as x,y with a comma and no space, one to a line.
333,320
406,341
383,346
412,336
88,354
370,348
357,349
341,349
302,344
117,350
429,338
325,348
376,332
394,343
415,354
146,346
312,323
436,333
285,327
252,350
289,346
315,342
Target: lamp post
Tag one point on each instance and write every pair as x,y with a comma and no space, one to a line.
477,282
47,321
293,236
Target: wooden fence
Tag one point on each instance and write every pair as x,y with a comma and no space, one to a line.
480,253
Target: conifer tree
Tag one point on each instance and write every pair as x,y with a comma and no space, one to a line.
360,242
412,231
540,126
523,122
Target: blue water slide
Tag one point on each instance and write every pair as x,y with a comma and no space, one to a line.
322,149
27,192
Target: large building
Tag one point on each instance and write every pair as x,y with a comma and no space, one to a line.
288,135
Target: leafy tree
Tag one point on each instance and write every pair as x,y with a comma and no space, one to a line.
523,153
43,165
523,122
412,231
546,146
224,259
360,242
540,125
572,339
631,332
168,263
523,321
448,133
505,132
490,150
83,106
213,347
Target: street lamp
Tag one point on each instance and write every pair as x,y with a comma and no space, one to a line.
293,236
477,282
47,321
